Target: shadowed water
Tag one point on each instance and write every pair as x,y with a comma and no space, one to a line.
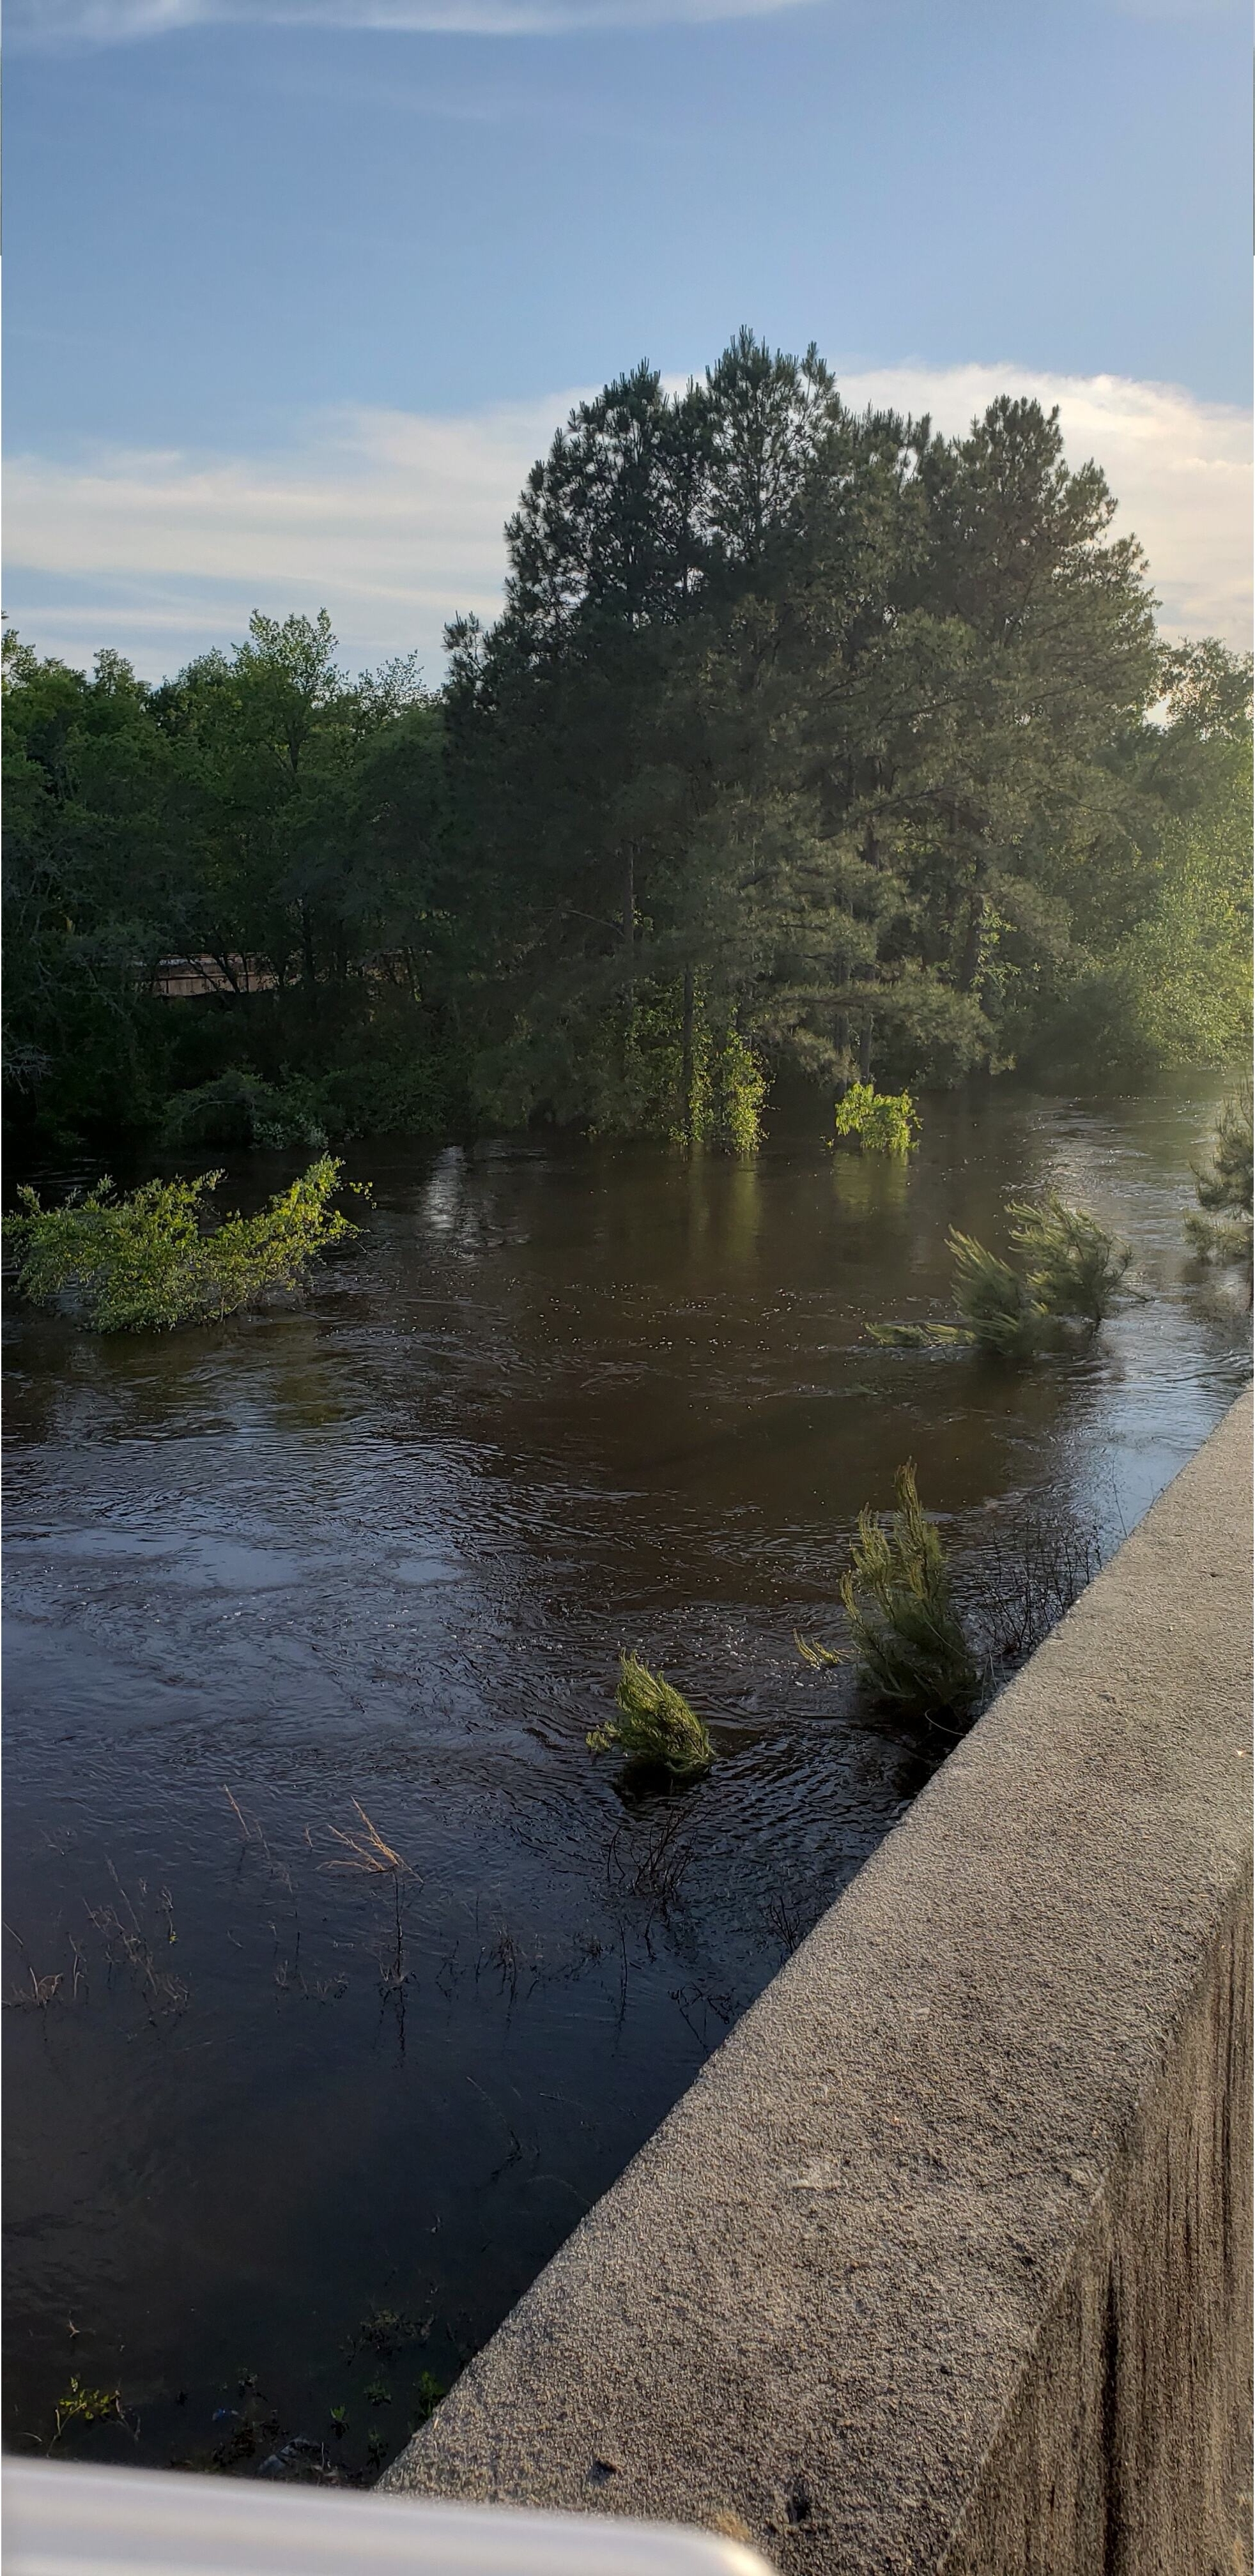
368,1565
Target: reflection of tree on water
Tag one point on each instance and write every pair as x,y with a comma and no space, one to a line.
651,1422
866,1185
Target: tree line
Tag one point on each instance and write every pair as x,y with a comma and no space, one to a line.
804,738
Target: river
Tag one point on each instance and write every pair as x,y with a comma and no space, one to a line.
341,1976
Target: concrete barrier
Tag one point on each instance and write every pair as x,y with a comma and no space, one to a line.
943,2262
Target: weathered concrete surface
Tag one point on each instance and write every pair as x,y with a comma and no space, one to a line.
943,2262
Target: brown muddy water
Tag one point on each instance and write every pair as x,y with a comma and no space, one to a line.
290,2127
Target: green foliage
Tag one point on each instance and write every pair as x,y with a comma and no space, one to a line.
428,2391
237,1108
814,1653
1074,1271
804,738
1073,1267
897,1595
998,1310
81,2405
879,1122
1224,1188
147,1262
661,1069
655,1728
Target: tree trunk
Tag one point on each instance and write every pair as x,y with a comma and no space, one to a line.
629,908
865,1047
686,1055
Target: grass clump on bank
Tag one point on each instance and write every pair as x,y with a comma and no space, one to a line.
655,1729
908,1637
147,1262
1071,1273
878,1122
1221,1229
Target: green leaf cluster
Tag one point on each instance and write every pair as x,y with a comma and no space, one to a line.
149,1262
878,1122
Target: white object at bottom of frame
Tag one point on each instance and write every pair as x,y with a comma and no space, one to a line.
67,2521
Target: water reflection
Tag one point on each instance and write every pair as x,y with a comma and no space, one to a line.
377,1557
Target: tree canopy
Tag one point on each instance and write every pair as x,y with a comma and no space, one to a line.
803,737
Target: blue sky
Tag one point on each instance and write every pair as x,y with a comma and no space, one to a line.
282,252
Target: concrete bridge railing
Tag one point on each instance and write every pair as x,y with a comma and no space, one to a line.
941,2267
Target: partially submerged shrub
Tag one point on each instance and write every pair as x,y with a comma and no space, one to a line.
408,1095
1074,1271
1073,1267
1224,1189
908,1638
939,1645
145,1263
999,1312
878,1122
655,1728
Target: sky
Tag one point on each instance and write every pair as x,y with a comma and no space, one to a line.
298,288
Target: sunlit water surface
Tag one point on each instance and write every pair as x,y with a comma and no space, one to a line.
374,1559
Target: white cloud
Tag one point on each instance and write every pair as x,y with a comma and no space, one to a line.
49,23
394,520
1181,470
52,23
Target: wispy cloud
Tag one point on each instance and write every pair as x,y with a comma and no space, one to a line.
48,24
52,23
394,520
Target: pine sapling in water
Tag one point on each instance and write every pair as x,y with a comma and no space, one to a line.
655,1729
908,1638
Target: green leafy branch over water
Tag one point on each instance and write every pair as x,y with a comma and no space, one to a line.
148,1262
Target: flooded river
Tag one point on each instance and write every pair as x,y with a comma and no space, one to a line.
341,1976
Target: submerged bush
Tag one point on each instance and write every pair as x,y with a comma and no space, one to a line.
655,1728
382,1098
998,1310
239,1109
878,1122
710,1092
1073,1267
146,1262
925,1637
1224,1189
1074,1271
908,1638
